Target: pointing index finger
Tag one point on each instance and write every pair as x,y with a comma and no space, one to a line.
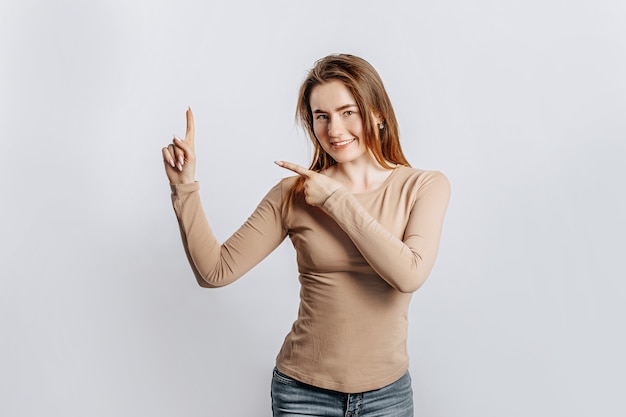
295,168
189,134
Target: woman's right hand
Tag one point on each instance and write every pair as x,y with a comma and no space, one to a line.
179,157
317,186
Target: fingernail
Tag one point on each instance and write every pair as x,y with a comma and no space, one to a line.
180,167
182,161
172,163
279,163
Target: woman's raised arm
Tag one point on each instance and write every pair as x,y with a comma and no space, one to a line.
179,157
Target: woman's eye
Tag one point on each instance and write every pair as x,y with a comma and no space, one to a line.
321,117
349,112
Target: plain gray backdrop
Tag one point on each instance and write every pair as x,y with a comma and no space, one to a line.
520,103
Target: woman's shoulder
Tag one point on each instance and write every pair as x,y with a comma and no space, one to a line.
421,182
404,173
281,189
286,184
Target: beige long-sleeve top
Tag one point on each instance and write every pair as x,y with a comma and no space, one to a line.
359,256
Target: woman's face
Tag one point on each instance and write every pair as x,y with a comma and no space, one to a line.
337,123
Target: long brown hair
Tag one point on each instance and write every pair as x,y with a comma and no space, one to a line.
364,83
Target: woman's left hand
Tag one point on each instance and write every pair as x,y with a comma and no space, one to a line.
317,187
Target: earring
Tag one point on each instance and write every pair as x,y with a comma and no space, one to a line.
381,126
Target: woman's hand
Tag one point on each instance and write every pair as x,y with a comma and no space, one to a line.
179,157
317,187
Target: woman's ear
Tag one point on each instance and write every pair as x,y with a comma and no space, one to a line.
379,120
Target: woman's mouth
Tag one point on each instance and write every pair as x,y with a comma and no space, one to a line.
343,143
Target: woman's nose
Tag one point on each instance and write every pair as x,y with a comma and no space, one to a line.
335,127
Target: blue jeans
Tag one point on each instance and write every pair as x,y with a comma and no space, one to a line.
291,398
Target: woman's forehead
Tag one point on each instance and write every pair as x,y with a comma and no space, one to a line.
331,96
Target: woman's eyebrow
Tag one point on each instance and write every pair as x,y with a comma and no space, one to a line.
345,106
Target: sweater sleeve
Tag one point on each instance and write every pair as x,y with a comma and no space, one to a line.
215,264
403,263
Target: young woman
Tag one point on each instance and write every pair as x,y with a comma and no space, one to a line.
366,229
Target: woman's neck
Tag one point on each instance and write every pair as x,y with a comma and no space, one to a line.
359,176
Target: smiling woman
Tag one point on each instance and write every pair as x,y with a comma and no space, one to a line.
338,125
366,229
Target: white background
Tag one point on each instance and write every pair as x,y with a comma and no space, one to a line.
520,103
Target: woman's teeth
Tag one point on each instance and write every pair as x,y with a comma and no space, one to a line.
345,142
